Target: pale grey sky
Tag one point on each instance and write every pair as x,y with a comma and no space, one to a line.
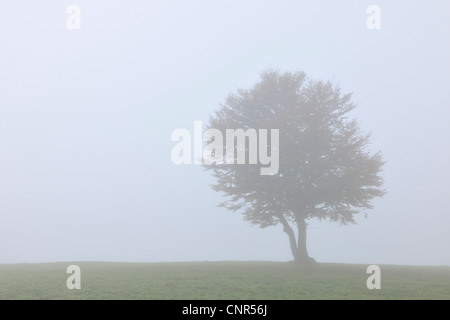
86,118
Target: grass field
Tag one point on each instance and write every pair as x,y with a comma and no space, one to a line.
221,280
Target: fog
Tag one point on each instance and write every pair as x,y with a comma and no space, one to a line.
86,117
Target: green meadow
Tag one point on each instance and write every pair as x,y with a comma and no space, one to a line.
221,280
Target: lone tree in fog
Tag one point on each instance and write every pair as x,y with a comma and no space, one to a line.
325,168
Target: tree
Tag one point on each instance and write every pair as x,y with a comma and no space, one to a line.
325,168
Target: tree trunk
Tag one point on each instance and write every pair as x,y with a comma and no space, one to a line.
301,240
298,248
287,228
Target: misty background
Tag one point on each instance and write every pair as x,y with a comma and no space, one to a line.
86,118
